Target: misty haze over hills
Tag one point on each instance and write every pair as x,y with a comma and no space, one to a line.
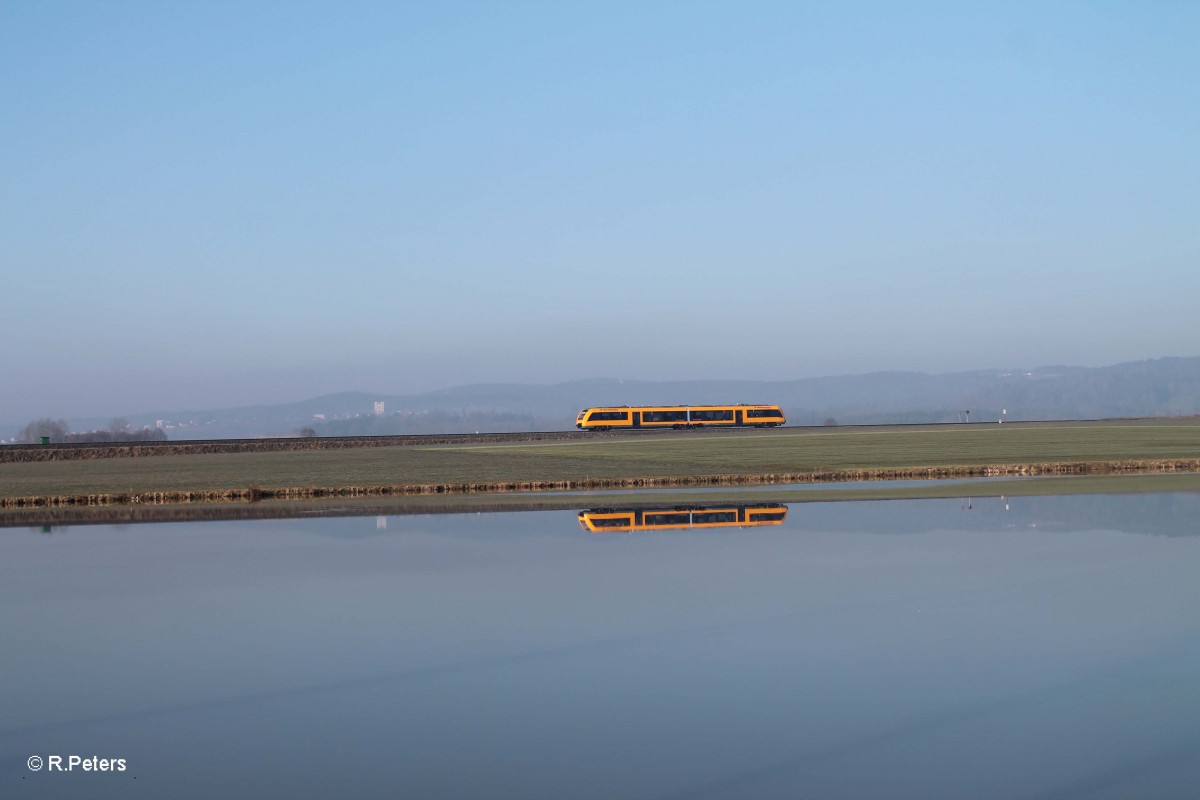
1158,387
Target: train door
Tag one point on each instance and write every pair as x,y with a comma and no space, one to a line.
737,417
637,419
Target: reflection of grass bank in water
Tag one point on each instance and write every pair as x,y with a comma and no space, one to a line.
255,493
443,504
695,459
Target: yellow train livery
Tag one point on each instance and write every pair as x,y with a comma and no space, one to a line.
731,416
613,520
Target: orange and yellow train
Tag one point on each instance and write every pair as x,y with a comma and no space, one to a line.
612,520
734,416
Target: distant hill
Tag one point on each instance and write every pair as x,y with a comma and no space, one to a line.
1157,387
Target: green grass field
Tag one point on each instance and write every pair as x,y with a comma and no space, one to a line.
679,454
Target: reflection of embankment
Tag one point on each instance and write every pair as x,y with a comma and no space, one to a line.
1148,504
614,520
255,493
229,512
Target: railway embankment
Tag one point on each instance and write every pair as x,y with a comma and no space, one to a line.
27,453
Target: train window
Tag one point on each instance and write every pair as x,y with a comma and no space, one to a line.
664,416
769,516
607,416
753,413
615,522
713,415
668,519
704,517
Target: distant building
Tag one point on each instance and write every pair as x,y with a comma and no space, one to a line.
160,423
379,408
319,416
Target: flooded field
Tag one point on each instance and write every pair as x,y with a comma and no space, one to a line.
979,647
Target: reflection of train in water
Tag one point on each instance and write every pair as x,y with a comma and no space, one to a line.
735,416
612,520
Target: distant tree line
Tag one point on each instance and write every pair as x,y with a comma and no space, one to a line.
57,430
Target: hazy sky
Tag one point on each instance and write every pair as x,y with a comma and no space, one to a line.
214,204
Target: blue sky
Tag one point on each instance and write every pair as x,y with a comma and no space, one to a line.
223,203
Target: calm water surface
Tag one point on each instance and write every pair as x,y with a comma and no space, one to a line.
901,649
